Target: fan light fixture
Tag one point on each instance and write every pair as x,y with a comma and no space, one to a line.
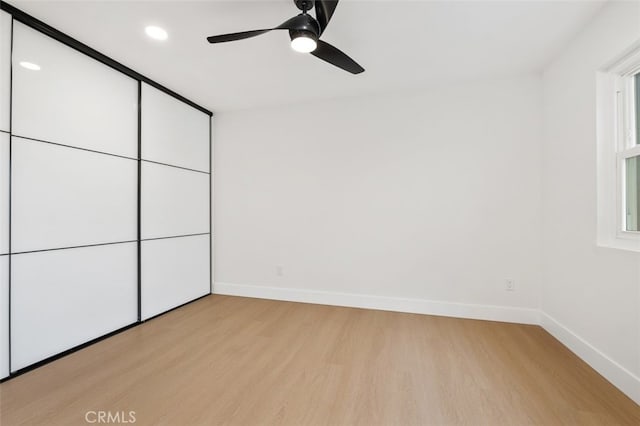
303,43
306,34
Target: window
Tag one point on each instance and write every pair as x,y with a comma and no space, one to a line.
629,152
619,152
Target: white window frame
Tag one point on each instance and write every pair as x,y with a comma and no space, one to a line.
626,146
616,138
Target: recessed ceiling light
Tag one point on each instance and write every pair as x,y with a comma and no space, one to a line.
156,33
30,66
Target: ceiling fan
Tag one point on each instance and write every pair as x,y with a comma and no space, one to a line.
305,32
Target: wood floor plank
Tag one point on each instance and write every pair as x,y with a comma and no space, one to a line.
237,361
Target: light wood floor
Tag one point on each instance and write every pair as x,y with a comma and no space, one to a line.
237,361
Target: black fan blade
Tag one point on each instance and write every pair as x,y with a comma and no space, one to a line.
291,24
336,57
235,36
324,12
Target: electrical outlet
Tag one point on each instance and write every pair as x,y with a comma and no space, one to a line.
279,271
509,285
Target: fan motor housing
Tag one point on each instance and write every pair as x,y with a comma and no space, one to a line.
305,23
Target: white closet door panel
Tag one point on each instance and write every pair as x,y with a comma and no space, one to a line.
5,69
4,316
73,99
173,132
63,298
4,193
66,197
174,201
174,271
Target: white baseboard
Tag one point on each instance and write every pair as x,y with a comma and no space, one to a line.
619,376
396,304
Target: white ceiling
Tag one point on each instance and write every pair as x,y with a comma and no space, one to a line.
402,45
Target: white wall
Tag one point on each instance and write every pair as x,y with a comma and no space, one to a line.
590,295
432,196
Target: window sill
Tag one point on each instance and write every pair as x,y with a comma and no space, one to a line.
623,242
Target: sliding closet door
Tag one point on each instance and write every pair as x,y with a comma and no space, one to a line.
5,105
4,249
175,199
74,198
5,70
